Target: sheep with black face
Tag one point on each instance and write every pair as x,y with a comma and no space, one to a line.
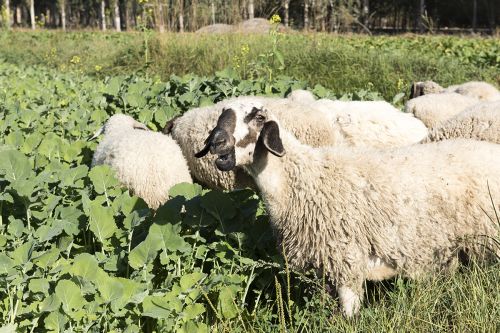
364,214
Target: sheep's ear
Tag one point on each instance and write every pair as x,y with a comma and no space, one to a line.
270,136
414,90
96,133
140,126
167,129
205,149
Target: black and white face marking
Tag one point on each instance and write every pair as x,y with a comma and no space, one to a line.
237,133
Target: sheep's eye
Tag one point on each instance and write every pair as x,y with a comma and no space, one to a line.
260,118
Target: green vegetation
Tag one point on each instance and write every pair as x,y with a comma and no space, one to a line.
344,64
81,254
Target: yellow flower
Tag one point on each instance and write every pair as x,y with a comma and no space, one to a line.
98,68
75,60
245,49
275,19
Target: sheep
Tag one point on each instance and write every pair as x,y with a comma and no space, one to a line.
361,214
372,124
146,162
479,122
433,109
481,90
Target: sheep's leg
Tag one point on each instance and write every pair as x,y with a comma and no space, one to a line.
350,300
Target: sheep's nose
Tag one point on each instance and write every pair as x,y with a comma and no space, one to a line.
221,142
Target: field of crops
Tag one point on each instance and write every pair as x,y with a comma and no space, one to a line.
80,254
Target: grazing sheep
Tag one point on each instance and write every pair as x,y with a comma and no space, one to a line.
432,109
318,124
371,124
190,129
147,163
476,89
360,214
479,122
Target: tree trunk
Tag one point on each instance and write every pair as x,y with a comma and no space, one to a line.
194,19
306,14
212,5
32,14
420,14
63,14
161,17
365,13
250,10
117,16
19,15
474,15
286,5
7,14
103,15
181,15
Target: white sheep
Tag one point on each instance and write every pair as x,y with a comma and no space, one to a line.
147,163
365,214
433,109
371,124
479,122
318,124
476,89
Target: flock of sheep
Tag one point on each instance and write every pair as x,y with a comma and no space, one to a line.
357,190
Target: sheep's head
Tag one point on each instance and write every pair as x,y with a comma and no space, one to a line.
243,131
424,88
119,122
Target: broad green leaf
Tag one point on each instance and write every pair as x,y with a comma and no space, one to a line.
192,311
70,296
185,190
6,264
226,304
39,285
164,306
110,288
69,219
113,86
144,253
102,222
50,304
22,254
15,227
219,204
15,165
103,178
85,265
167,236
55,322
48,258
188,281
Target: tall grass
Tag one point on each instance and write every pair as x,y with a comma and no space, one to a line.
342,63
467,301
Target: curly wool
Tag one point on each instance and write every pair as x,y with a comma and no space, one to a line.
479,122
147,163
375,124
433,109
